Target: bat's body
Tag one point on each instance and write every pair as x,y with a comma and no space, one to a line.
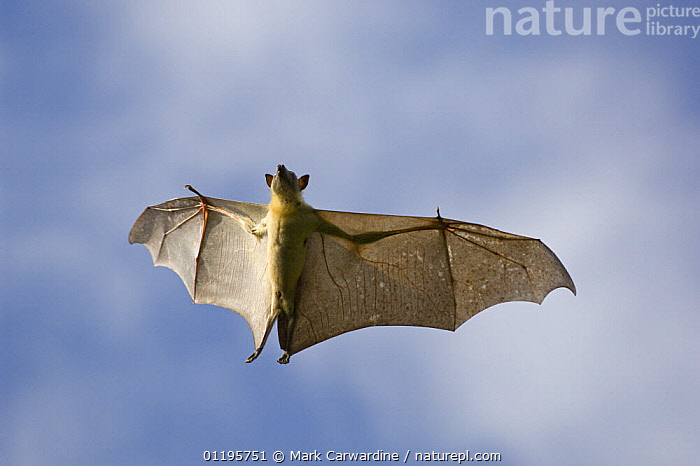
288,224
322,273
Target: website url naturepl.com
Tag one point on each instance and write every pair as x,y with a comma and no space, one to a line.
279,456
657,19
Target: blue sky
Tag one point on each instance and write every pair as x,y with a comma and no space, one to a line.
590,143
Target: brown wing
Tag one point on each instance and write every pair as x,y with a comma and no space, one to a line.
218,260
438,275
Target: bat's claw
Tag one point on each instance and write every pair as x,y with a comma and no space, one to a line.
284,359
252,357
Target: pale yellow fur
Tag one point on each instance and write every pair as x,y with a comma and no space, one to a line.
289,222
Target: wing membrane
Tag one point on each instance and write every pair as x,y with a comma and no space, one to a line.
219,261
438,275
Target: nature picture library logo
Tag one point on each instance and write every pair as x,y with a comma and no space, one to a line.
658,19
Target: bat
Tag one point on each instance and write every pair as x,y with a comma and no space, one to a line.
321,273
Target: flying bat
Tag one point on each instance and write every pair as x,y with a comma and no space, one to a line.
321,273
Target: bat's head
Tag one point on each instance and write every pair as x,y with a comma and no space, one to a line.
285,185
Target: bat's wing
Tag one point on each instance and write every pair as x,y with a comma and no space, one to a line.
207,245
434,277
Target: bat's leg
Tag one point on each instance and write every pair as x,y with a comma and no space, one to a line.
253,356
285,322
290,320
270,323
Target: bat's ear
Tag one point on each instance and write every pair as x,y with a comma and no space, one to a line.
303,182
268,178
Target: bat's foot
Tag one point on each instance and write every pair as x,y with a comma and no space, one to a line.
252,357
284,359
